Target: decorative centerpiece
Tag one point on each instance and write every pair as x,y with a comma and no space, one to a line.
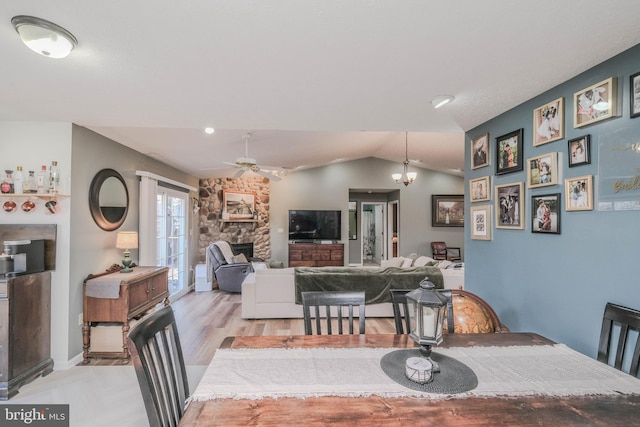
426,316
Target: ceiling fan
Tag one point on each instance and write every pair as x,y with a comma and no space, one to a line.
247,163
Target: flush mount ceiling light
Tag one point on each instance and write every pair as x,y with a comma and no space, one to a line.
209,130
405,177
44,37
441,100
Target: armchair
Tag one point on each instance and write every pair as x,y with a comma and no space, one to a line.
228,271
441,252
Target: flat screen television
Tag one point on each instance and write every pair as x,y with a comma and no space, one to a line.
315,225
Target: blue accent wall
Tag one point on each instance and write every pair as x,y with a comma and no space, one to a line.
557,285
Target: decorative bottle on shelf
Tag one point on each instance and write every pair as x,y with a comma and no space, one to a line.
18,180
7,183
30,183
42,180
54,178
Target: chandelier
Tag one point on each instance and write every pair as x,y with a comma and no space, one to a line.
405,177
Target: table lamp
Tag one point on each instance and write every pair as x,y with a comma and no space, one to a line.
426,309
127,240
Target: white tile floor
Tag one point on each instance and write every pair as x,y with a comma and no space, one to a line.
98,396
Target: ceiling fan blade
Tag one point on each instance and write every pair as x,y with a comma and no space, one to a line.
272,168
239,173
267,175
235,165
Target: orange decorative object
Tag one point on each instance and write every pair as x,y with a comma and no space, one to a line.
472,315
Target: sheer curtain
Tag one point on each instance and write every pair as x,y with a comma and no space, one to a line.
147,221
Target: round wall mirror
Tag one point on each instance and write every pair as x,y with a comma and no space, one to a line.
108,199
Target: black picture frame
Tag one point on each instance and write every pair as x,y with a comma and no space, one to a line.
579,151
509,152
545,213
447,210
634,92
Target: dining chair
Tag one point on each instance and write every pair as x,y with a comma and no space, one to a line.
400,310
627,320
338,300
466,312
156,354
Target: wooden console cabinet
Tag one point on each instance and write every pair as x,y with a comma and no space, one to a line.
25,331
316,255
136,292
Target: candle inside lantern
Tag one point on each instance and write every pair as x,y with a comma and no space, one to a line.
428,319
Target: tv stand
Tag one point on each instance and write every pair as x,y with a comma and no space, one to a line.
316,254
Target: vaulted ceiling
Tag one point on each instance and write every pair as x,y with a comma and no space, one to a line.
314,81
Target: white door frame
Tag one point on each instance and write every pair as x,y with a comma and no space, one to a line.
384,229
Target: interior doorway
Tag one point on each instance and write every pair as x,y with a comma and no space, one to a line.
373,226
393,236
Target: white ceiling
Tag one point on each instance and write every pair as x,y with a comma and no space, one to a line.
314,81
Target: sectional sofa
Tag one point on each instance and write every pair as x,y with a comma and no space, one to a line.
270,293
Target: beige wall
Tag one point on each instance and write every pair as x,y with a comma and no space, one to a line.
328,188
82,248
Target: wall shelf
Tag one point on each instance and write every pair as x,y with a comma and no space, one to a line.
5,196
224,222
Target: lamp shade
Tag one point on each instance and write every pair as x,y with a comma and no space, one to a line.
44,37
127,240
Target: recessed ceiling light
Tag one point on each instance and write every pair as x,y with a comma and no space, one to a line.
209,131
441,100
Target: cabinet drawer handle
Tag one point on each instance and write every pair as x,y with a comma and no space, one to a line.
147,291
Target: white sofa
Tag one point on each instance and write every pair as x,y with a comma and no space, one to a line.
270,294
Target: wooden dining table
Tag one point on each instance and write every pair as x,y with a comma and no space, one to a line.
530,410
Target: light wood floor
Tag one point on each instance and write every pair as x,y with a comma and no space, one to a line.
206,318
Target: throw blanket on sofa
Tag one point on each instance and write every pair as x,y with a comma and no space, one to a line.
376,282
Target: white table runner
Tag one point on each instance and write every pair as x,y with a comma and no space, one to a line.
108,286
551,370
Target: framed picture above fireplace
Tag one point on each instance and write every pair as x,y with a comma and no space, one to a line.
238,205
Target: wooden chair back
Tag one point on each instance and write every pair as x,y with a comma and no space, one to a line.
157,357
466,313
400,310
339,300
628,320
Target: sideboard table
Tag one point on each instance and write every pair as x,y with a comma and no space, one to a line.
115,297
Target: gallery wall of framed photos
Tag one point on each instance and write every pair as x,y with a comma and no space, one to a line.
546,220
555,124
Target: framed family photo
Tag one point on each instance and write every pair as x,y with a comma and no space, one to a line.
545,213
595,103
480,150
580,151
542,170
480,189
579,193
447,210
548,122
634,100
509,152
238,205
509,203
480,222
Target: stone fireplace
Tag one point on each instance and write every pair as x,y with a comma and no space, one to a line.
243,248
250,238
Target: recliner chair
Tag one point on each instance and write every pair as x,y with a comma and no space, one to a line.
221,265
